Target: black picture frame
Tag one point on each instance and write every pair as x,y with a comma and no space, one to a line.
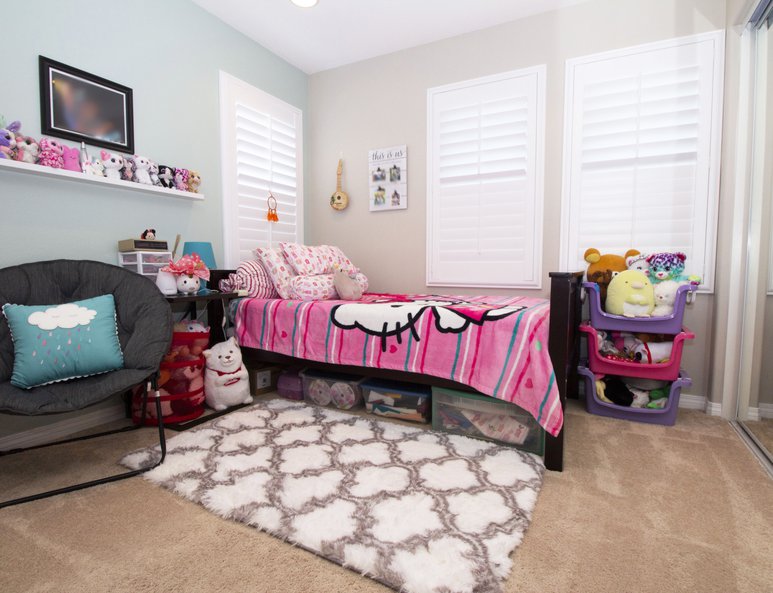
85,108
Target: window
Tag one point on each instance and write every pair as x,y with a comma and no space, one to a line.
485,173
262,148
641,151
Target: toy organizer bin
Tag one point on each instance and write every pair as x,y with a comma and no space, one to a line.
665,416
666,371
181,381
290,385
391,399
342,391
671,324
487,418
146,263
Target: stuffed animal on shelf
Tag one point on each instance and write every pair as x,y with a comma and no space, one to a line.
194,181
665,298
153,173
225,378
181,177
127,172
601,268
8,140
346,287
94,167
27,149
71,159
142,170
669,266
112,163
148,234
51,154
630,294
166,176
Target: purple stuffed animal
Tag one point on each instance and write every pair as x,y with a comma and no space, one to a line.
8,140
51,154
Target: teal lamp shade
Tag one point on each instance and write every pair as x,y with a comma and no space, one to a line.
204,251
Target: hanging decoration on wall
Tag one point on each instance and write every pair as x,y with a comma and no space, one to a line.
388,178
272,215
339,200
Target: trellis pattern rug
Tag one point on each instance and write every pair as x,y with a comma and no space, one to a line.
416,510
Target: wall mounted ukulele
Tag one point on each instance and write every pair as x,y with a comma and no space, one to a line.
339,200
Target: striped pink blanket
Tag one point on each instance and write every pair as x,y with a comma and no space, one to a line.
497,345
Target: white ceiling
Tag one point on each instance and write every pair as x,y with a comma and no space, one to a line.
337,32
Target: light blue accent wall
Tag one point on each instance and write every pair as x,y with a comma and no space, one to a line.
169,52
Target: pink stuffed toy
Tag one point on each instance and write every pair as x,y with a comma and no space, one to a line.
51,154
27,149
181,179
71,158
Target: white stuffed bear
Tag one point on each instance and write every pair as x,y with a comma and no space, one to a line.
665,297
638,262
142,170
225,379
112,164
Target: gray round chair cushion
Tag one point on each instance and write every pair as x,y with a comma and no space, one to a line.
144,330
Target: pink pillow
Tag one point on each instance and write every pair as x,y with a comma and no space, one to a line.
252,277
308,260
319,287
278,269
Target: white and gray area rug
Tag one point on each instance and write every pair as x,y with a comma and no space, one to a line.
416,510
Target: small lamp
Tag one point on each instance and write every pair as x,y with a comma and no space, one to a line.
204,251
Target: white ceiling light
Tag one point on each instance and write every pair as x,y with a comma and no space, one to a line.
304,3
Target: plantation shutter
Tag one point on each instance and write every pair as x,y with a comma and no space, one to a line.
262,153
485,146
641,155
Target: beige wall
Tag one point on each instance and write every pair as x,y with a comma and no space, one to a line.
382,102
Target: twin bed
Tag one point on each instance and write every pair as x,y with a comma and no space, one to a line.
519,349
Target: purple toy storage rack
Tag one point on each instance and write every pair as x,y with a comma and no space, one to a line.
665,416
671,324
664,371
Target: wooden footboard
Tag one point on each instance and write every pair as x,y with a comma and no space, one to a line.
563,345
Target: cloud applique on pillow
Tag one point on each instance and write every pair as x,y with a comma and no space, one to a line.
65,316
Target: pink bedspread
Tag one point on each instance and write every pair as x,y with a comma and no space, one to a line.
497,345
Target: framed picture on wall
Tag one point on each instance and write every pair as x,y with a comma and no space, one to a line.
79,106
388,178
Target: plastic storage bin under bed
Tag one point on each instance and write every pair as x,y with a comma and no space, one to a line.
672,324
341,390
392,399
663,371
665,416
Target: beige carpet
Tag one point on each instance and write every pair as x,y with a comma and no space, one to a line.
639,509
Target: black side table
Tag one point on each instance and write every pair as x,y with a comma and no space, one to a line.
215,301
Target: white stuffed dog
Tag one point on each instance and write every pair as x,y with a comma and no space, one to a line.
225,379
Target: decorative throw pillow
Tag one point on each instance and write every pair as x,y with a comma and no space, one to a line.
278,269
319,287
311,260
58,342
251,276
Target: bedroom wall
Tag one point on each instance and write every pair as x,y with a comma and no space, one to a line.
382,102
169,53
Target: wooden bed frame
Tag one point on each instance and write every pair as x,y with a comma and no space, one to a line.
563,345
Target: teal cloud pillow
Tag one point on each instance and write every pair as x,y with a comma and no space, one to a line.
59,342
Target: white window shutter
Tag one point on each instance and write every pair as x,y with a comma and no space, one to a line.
262,151
485,194
641,153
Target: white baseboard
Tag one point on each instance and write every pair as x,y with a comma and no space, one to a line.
63,428
752,414
766,410
699,402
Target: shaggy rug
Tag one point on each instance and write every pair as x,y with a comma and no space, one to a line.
416,510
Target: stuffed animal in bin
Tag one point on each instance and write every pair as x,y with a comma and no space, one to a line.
142,170
669,266
225,379
652,352
71,159
630,294
112,163
8,140
638,262
602,268
166,176
665,298
27,149
51,154
190,327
